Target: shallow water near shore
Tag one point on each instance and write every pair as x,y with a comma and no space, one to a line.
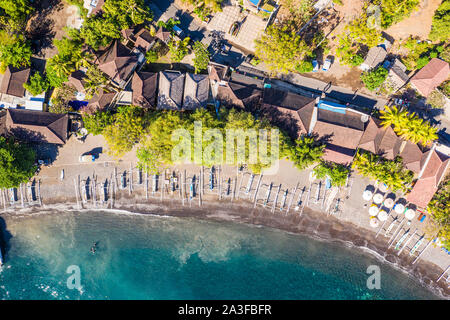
151,257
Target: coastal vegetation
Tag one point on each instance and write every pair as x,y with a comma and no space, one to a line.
306,151
201,58
178,49
391,172
281,49
374,78
440,29
36,84
439,207
61,98
357,36
156,149
17,161
15,50
394,11
337,173
419,53
408,126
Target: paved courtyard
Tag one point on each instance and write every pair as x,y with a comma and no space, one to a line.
251,28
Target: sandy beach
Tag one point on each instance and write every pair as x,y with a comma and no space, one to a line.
230,201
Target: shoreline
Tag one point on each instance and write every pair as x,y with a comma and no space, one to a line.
313,224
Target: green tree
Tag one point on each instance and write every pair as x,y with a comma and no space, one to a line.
304,66
94,81
151,56
306,151
127,128
17,161
15,51
439,207
99,32
337,173
374,78
37,84
201,58
394,11
440,29
281,49
391,172
97,122
178,49
127,13
16,9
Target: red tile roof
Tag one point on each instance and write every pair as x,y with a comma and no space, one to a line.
431,76
425,188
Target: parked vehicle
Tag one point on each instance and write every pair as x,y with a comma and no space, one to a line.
326,65
87,158
178,31
315,65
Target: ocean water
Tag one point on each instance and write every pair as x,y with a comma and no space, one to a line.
150,257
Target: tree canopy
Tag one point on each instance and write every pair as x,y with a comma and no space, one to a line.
440,29
281,49
17,161
15,51
201,58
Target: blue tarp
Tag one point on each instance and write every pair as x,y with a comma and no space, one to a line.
75,104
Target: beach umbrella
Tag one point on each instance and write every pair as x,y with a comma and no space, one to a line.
378,198
382,215
367,195
373,210
374,222
410,214
389,203
399,208
383,187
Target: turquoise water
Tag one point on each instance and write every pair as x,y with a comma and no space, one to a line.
148,257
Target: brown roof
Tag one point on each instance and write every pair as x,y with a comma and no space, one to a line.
144,86
2,122
379,140
341,142
144,39
425,188
99,101
76,79
118,62
290,111
171,85
431,76
13,81
375,56
196,91
162,34
37,126
412,156
218,72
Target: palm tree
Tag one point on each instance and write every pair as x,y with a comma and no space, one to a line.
393,116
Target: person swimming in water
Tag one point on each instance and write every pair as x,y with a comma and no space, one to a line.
94,247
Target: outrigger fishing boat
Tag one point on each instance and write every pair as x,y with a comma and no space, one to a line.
30,193
299,200
1,257
283,200
268,194
249,184
228,186
123,181
140,179
105,191
12,197
155,183
397,246
211,178
389,229
416,246
192,189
